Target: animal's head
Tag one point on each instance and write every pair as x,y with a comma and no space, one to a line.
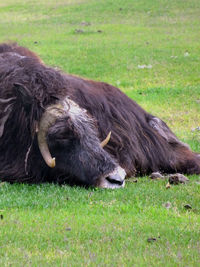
64,143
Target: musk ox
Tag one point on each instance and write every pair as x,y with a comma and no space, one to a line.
56,127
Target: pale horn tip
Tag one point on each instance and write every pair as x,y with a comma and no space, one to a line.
105,141
52,163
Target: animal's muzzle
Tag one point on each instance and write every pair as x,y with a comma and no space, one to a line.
116,179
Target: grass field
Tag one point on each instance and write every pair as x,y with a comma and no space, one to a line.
150,49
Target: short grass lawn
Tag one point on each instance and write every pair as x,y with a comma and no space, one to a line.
150,49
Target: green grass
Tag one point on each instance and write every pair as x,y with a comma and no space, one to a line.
49,225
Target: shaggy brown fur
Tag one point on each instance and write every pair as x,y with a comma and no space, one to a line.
140,143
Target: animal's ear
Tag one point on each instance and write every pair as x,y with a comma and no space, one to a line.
23,95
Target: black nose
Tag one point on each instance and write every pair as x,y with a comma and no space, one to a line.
115,179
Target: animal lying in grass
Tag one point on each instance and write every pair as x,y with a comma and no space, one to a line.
52,125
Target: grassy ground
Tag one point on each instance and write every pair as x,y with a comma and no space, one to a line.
106,40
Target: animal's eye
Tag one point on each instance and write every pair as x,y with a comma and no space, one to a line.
60,138
63,140
61,135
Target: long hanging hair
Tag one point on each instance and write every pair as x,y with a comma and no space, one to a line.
140,142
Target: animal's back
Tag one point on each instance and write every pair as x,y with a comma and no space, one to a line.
141,142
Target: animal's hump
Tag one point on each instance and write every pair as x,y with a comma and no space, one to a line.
15,48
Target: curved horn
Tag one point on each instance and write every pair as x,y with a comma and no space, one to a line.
106,140
48,118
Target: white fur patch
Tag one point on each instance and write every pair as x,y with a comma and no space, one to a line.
15,54
78,115
73,109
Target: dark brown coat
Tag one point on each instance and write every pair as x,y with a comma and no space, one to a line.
140,143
